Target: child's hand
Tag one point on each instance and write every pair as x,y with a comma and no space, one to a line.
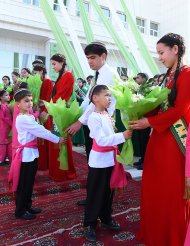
62,140
127,134
187,188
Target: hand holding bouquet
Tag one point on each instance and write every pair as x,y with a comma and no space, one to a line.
63,116
132,107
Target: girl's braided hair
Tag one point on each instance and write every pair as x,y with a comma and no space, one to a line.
170,40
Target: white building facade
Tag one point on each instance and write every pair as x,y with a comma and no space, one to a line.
25,34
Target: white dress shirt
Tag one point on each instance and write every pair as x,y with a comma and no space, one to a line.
105,77
102,131
28,129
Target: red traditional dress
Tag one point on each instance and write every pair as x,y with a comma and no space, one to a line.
43,145
163,208
64,89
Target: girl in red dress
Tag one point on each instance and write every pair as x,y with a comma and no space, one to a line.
45,94
163,207
63,89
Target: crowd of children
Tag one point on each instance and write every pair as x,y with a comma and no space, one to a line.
166,175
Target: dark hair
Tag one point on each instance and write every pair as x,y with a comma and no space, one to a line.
59,58
37,61
96,90
40,67
170,40
2,92
7,77
21,93
156,76
27,70
143,75
16,74
96,48
90,77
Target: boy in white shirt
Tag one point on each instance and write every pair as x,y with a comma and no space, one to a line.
24,164
101,163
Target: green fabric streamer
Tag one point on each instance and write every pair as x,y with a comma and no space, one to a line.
85,21
34,85
124,50
132,107
62,39
63,116
140,41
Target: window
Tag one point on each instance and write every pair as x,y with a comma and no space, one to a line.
13,61
106,12
154,29
122,71
33,2
123,18
86,6
140,24
56,6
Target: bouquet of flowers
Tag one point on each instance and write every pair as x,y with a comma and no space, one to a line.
34,85
132,107
9,88
63,116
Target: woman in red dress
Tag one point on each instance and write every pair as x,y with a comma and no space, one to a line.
163,207
63,89
45,94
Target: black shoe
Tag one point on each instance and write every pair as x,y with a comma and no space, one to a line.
136,164
90,234
112,225
81,203
2,163
140,167
26,216
34,210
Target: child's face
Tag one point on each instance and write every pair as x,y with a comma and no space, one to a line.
5,98
25,104
103,99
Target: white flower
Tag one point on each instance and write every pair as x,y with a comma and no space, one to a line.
137,97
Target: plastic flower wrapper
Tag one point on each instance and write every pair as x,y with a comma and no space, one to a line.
132,85
9,88
34,85
133,107
146,88
1,86
63,117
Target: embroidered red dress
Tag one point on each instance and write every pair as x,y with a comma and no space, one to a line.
163,209
64,89
43,145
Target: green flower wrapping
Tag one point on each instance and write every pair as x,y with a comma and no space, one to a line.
133,107
63,117
34,85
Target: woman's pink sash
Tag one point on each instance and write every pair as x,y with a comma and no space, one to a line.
14,173
118,177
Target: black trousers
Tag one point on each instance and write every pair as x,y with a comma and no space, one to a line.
25,187
99,196
144,136
88,141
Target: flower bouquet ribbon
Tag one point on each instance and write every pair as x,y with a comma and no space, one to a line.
132,107
63,116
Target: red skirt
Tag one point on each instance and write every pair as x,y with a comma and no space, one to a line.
43,147
163,210
54,172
